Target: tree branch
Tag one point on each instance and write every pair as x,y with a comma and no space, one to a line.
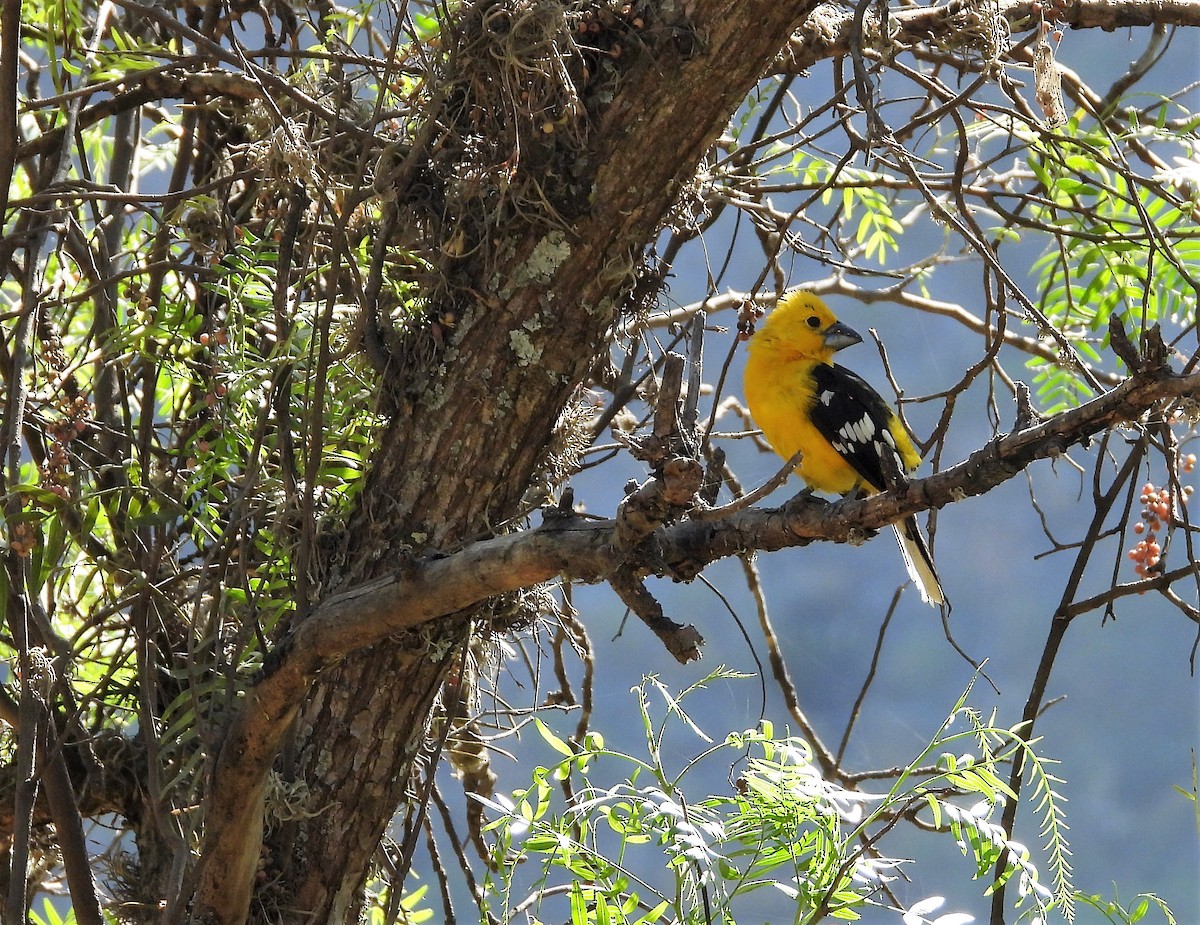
426,589
683,642
827,32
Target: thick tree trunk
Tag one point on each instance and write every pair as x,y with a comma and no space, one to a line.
454,464
374,709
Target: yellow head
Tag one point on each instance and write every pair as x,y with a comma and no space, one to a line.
803,328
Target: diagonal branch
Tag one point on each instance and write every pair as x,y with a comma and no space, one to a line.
422,590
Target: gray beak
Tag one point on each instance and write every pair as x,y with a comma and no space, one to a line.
838,335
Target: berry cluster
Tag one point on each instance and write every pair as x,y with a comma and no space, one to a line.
1158,511
604,32
605,29
21,538
72,408
218,338
212,342
55,470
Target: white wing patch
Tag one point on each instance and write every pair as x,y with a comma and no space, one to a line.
861,432
857,423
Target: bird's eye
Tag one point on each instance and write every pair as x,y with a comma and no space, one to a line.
814,322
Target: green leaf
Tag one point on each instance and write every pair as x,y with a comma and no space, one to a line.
936,807
579,909
553,740
654,915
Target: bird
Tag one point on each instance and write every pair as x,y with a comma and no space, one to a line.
849,439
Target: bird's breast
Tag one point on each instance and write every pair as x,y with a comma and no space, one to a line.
780,396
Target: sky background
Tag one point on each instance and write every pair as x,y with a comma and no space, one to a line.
1126,720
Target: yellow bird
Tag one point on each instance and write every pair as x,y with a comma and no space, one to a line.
848,437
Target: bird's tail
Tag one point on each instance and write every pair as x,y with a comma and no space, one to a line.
919,562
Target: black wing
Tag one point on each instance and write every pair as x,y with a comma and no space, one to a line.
854,418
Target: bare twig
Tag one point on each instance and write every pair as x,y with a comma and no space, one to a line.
683,642
744,501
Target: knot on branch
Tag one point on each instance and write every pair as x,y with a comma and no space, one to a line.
670,451
1026,415
1153,354
659,500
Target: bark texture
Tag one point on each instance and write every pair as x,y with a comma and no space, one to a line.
532,305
